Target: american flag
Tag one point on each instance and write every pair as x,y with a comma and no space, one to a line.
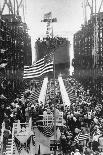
81,137
40,67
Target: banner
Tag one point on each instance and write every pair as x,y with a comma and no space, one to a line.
25,145
42,143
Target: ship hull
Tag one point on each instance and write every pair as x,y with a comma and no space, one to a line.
61,53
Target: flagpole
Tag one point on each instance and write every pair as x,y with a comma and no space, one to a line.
55,136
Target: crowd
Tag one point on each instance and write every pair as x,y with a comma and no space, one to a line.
82,117
49,44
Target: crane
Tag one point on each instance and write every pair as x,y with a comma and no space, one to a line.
15,7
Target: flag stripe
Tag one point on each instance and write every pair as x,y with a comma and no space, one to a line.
35,94
32,75
81,137
47,131
39,68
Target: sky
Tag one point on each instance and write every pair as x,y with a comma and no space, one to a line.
69,14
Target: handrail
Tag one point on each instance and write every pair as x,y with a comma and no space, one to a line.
2,133
18,128
12,140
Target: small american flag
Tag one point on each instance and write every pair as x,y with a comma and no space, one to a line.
81,137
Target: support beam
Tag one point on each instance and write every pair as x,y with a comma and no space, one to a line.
100,6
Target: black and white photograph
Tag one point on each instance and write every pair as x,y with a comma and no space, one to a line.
51,77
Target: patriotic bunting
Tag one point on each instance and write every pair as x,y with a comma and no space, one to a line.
20,145
70,91
35,93
47,131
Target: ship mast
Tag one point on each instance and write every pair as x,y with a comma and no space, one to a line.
49,20
49,33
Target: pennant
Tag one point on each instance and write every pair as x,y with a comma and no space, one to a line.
47,15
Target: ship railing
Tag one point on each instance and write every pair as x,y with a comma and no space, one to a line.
48,120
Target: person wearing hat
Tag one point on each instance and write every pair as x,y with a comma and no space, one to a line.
77,152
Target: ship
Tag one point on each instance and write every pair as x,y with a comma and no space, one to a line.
20,51
58,45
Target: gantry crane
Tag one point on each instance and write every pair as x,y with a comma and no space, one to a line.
15,8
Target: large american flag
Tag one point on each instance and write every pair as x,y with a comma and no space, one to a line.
40,67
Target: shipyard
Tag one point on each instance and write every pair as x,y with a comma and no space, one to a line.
51,77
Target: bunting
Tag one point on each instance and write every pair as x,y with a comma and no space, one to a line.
47,131
35,93
20,145
70,91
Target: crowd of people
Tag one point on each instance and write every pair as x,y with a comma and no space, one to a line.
48,44
83,117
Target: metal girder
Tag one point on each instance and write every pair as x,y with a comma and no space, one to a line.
12,6
20,3
100,6
9,4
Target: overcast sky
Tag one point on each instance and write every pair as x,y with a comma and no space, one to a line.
69,14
